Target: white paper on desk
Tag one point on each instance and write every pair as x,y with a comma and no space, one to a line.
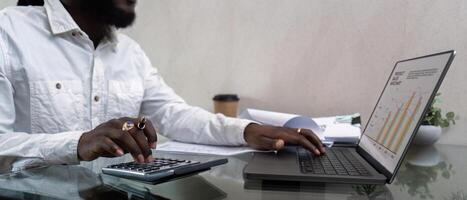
337,131
343,133
282,119
180,147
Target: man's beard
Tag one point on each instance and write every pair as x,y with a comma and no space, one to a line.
108,13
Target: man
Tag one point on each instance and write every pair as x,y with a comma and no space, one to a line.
69,83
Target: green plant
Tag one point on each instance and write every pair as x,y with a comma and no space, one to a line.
434,115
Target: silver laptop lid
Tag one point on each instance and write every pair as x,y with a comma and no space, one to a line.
399,111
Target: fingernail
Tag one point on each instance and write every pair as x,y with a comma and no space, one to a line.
149,158
140,158
317,152
120,152
279,144
153,145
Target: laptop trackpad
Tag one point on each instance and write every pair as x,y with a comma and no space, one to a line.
283,162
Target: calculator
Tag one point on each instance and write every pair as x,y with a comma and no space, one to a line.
161,169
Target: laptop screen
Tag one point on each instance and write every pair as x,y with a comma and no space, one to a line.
394,120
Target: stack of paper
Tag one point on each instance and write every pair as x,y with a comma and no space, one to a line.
282,119
337,129
179,147
339,132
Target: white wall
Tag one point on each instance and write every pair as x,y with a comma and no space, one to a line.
304,56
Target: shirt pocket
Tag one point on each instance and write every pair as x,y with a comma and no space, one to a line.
56,106
125,98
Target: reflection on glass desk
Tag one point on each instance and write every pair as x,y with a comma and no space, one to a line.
434,172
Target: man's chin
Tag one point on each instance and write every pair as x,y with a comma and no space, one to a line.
121,14
122,19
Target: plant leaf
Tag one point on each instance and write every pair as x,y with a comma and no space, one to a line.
450,115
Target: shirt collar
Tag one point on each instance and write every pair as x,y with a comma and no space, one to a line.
61,21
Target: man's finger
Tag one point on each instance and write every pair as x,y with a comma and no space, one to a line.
111,148
151,134
140,138
266,143
124,140
279,144
293,137
313,138
308,145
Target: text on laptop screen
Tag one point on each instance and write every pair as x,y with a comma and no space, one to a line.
400,108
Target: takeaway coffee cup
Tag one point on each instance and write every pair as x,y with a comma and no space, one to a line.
226,104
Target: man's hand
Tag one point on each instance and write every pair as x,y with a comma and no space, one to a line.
109,140
272,137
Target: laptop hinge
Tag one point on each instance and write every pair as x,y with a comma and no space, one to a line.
374,163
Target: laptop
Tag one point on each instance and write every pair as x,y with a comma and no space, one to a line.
395,120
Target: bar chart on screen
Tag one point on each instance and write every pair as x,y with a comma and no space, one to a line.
400,108
393,124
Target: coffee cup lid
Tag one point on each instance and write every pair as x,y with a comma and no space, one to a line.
226,97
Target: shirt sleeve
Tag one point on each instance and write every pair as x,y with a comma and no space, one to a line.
179,121
60,148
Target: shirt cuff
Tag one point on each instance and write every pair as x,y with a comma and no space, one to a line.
62,148
238,130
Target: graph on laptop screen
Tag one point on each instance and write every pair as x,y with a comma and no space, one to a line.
400,108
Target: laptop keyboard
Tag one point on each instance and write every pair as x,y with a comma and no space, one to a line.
335,162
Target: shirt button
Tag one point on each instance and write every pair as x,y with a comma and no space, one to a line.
58,86
96,98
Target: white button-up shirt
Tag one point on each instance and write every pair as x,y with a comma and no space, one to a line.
54,85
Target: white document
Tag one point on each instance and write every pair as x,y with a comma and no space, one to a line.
179,147
329,129
342,133
340,129
282,119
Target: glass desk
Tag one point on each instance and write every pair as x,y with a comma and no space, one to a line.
435,172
